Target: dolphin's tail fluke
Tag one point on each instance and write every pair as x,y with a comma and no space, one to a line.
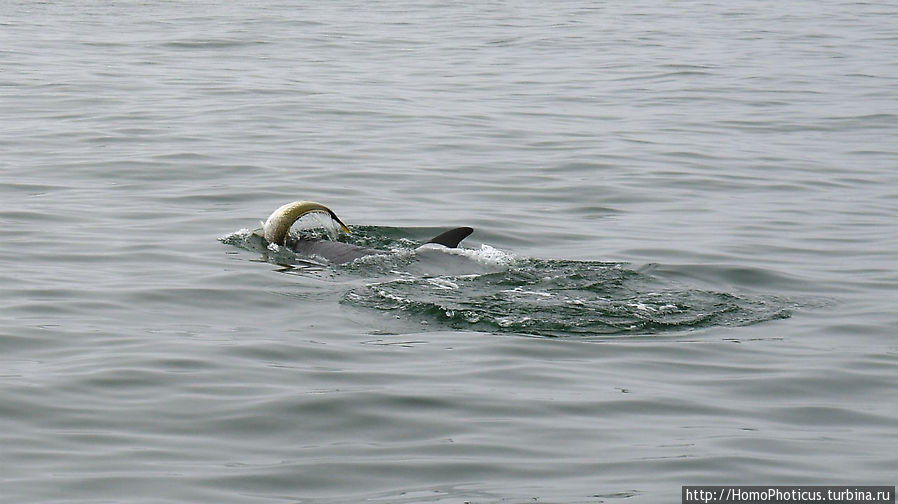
452,237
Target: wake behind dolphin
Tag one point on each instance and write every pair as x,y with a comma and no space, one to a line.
276,230
493,291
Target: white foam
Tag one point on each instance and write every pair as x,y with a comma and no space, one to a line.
485,254
240,233
520,290
510,321
442,283
387,295
641,306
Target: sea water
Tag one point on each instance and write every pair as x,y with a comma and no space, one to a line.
682,272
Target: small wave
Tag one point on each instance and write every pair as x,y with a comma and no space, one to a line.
224,43
253,241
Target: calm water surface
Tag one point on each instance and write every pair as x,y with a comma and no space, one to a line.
683,269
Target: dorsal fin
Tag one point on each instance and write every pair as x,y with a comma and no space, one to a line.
452,237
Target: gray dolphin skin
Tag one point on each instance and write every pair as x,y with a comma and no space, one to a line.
277,230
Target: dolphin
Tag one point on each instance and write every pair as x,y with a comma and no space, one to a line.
276,230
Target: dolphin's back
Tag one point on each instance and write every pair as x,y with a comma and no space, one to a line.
342,253
334,251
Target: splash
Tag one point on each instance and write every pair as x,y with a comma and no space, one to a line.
318,222
253,241
484,255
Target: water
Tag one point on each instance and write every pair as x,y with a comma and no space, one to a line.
682,272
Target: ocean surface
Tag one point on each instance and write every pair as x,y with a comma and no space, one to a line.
684,268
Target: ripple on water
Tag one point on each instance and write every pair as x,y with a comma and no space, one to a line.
564,298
